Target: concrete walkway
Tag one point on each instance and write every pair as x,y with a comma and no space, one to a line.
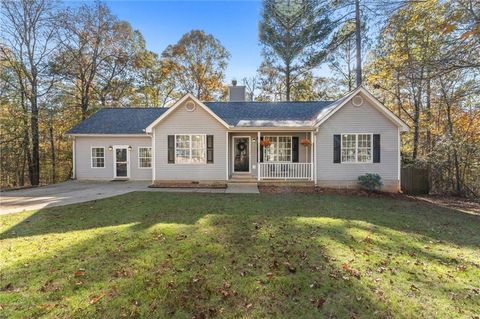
242,188
65,193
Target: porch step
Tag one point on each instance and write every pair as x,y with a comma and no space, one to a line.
242,178
242,188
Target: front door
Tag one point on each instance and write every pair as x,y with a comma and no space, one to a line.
241,154
122,163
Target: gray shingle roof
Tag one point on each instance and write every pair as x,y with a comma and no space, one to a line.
240,114
118,121
268,113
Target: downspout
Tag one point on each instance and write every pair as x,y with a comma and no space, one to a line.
74,168
153,156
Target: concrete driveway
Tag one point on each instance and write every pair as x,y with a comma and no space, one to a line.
69,192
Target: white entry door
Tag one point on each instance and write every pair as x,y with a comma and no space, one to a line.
121,161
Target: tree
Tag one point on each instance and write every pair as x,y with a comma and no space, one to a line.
294,36
96,54
29,33
198,62
429,86
251,85
155,84
342,61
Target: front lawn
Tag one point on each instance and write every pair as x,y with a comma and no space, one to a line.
156,255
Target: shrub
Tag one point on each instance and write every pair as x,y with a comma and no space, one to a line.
370,182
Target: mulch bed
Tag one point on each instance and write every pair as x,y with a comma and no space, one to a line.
189,185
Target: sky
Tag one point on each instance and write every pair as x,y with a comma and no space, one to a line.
234,23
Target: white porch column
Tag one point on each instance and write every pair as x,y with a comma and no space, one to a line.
312,159
315,156
153,155
258,155
227,163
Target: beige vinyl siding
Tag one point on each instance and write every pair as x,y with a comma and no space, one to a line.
351,119
181,121
83,169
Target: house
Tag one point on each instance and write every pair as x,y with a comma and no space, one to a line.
323,143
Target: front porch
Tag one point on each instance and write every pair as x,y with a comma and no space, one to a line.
271,156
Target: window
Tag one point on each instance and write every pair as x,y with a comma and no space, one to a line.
144,157
280,150
356,148
190,149
98,157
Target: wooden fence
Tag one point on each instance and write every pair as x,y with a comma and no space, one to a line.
415,180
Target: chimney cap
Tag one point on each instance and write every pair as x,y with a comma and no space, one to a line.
234,82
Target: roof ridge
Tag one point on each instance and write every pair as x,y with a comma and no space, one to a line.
272,102
133,108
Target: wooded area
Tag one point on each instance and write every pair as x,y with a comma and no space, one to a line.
60,63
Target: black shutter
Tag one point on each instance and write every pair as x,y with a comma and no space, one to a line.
337,139
209,149
376,148
171,149
295,149
261,150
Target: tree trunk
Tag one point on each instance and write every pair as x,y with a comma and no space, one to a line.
416,132
287,81
52,150
429,114
358,40
458,185
35,173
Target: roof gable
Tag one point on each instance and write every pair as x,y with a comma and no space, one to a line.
334,107
171,109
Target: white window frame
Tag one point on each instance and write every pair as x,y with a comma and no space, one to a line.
269,137
92,157
190,162
356,148
140,157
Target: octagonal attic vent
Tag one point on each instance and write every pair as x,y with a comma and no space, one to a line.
190,106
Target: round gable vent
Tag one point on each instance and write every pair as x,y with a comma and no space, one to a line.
357,100
190,106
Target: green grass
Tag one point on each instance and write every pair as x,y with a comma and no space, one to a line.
155,255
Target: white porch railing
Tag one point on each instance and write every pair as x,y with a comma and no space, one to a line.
285,171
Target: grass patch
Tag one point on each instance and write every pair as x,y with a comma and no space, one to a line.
149,254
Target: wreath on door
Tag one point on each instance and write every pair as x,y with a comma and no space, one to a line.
241,146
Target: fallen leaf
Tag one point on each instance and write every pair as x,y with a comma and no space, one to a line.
96,299
79,273
413,287
318,303
8,287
